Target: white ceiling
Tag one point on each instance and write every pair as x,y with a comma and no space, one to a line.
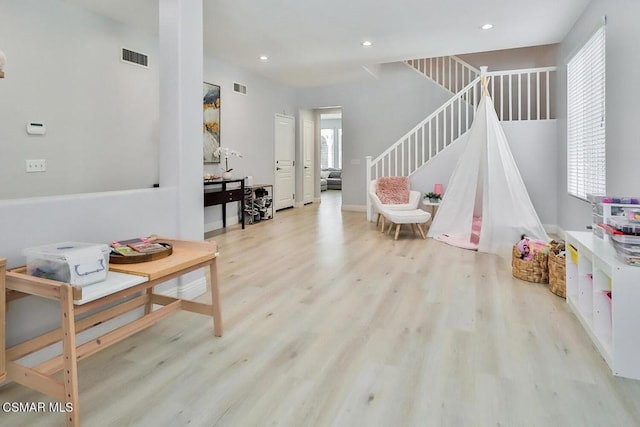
318,42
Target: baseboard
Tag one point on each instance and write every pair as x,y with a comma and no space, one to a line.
561,232
554,229
216,225
193,289
354,208
171,289
298,204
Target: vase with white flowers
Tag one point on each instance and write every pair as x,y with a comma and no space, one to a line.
225,153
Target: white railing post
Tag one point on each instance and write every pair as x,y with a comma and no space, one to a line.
367,182
521,100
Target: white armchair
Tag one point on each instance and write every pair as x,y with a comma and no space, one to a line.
380,208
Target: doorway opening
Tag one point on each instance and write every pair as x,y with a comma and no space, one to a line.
331,153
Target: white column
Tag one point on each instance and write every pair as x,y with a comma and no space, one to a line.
180,127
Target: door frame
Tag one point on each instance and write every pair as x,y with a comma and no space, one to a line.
275,161
303,148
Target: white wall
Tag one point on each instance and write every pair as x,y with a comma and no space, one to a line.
533,145
622,108
375,114
514,59
64,70
246,125
107,216
97,217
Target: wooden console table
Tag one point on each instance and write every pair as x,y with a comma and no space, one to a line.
224,195
124,280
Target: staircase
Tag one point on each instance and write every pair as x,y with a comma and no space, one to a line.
518,95
450,72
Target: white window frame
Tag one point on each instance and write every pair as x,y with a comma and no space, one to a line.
586,124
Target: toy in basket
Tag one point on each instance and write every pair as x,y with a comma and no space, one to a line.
529,260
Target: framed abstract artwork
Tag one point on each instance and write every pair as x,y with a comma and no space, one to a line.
211,122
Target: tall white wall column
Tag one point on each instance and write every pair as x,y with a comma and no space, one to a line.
181,76
180,127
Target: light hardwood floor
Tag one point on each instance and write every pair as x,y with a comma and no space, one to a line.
328,322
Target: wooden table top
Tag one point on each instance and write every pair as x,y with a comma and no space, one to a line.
186,253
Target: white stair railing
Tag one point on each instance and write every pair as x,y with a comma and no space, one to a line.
450,72
524,94
427,139
517,95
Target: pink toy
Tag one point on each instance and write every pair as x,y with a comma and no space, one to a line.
523,247
528,247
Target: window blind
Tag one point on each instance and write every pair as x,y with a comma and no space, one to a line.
586,154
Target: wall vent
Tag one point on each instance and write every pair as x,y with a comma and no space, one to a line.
238,88
135,58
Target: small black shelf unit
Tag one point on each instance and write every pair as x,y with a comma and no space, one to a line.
258,203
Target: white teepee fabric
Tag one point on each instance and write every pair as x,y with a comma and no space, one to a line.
486,186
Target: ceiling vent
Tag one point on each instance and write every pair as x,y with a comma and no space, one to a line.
135,58
238,88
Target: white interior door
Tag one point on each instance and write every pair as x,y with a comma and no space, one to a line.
307,159
285,150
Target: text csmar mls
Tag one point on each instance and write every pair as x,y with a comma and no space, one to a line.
37,407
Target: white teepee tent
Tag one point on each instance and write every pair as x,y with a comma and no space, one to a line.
486,205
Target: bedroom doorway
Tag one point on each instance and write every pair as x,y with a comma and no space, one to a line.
331,151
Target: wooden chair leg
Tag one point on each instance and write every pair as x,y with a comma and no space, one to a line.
378,220
397,231
384,219
421,232
390,227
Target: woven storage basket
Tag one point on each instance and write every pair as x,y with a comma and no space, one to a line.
557,275
534,270
557,269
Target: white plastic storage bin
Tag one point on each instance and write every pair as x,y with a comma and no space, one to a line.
624,225
71,262
629,253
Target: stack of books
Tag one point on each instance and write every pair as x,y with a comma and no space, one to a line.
135,247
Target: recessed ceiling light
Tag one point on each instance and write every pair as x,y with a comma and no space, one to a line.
487,26
264,58
366,43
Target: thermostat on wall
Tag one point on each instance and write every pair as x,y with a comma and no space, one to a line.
34,128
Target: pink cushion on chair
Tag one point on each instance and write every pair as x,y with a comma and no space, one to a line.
393,190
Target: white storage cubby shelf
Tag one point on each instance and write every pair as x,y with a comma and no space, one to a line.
612,323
